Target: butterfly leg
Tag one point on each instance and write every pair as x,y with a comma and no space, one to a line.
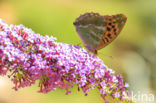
95,52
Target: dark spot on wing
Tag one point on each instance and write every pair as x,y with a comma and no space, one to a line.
109,35
114,30
108,29
113,26
106,39
110,24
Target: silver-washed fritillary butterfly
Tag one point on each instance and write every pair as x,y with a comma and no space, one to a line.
98,31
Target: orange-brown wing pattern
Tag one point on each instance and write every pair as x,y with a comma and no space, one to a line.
114,26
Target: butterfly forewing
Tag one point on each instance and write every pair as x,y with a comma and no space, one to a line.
97,31
114,25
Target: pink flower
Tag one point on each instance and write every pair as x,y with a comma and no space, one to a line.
29,57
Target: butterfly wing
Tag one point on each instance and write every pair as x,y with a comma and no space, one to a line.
90,27
97,31
115,23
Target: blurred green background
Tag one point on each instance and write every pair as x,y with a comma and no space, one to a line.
133,52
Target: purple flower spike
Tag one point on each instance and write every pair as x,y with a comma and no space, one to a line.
28,57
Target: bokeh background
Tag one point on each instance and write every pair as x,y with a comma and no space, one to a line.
133,52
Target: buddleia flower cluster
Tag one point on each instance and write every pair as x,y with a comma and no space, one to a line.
26,57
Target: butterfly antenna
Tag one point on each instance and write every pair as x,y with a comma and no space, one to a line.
107,56
117,63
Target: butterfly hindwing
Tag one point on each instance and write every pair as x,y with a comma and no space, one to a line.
90,35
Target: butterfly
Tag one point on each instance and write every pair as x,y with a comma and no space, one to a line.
97,31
